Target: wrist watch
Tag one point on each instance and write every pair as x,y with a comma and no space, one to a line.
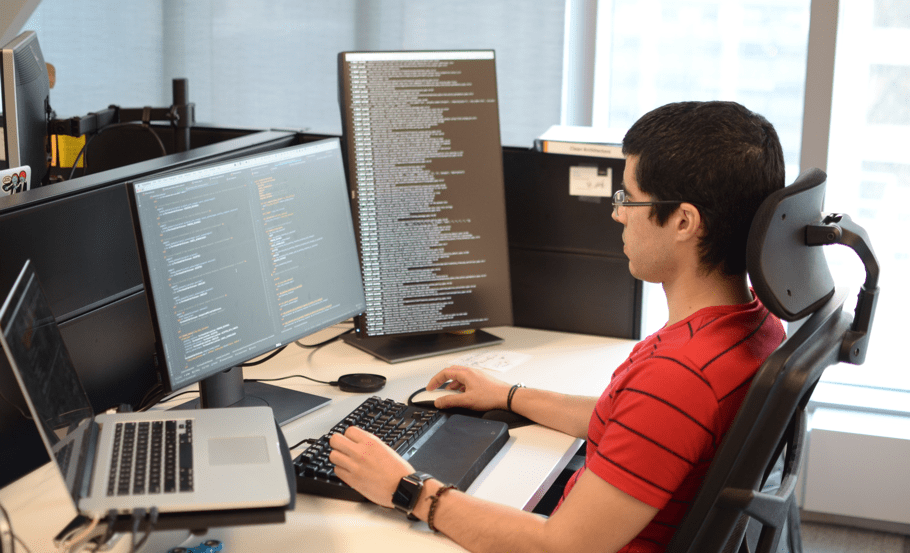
405,497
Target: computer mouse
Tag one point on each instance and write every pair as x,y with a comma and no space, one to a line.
427,398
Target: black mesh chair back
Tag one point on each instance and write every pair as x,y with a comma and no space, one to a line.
790,274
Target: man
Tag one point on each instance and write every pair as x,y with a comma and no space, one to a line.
695,174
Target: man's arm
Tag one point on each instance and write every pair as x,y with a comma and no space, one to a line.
596,516
568,414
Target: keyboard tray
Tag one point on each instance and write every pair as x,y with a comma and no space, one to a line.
454,449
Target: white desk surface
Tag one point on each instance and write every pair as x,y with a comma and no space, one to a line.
519,474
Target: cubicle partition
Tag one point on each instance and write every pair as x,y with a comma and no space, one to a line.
568,272
568,269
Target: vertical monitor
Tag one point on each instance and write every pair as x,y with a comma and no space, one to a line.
242,257
25,107
424,161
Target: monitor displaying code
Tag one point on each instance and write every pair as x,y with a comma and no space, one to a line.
247,255
424,163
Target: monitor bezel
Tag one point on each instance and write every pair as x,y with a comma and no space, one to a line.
417,344
225,386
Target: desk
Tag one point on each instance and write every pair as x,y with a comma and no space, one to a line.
518,475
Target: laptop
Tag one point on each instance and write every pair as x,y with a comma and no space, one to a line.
173,461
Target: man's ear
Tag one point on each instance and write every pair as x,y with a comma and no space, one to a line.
688,221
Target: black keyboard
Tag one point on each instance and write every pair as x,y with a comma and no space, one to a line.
453,448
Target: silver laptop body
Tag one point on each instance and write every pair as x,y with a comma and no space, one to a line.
174,461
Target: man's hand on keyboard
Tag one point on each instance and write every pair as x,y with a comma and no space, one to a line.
368,465
481,391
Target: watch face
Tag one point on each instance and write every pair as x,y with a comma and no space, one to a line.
405,496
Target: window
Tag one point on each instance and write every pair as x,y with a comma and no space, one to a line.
273,63
869,171
652,52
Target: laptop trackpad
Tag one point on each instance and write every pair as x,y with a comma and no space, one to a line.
252,450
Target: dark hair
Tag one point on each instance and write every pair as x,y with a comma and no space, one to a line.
719,156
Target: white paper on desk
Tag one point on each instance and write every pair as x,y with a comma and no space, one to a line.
492,360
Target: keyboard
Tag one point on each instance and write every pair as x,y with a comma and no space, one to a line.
142,449
453,448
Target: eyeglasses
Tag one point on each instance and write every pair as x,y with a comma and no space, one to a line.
619,200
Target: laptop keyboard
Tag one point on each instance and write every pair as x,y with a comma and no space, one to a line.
151,457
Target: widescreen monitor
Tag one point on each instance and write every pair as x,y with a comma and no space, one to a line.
243,257
424,163
25,107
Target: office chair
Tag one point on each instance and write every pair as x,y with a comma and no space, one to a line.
790,275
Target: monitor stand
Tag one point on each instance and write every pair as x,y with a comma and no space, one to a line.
395,349
228,389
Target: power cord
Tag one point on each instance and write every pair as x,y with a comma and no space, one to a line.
8,538
88,141
324,343
79,539
138,515
156,394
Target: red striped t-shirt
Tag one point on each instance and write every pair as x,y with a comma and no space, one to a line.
658,425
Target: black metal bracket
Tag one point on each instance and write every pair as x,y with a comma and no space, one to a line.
839,228
181,115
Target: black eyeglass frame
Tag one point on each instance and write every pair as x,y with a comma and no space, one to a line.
619,201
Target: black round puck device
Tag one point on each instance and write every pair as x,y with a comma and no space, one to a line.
361,383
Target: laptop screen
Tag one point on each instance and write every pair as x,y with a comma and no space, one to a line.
40,361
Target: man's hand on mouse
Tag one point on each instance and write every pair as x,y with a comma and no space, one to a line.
481,391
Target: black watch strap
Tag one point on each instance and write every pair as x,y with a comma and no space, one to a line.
405,497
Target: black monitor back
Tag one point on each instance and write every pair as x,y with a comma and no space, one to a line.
568,269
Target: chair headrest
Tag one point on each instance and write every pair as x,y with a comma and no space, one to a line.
789,277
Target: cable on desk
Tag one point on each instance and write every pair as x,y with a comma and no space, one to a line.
81,536
156,394
333,383
109,531
138,515
153,396
303,441
169,398
6,526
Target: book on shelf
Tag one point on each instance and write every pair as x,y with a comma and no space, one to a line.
581,141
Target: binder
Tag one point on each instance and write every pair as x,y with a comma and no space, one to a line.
581,141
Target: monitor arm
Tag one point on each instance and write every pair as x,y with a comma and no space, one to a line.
839,228
181,115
